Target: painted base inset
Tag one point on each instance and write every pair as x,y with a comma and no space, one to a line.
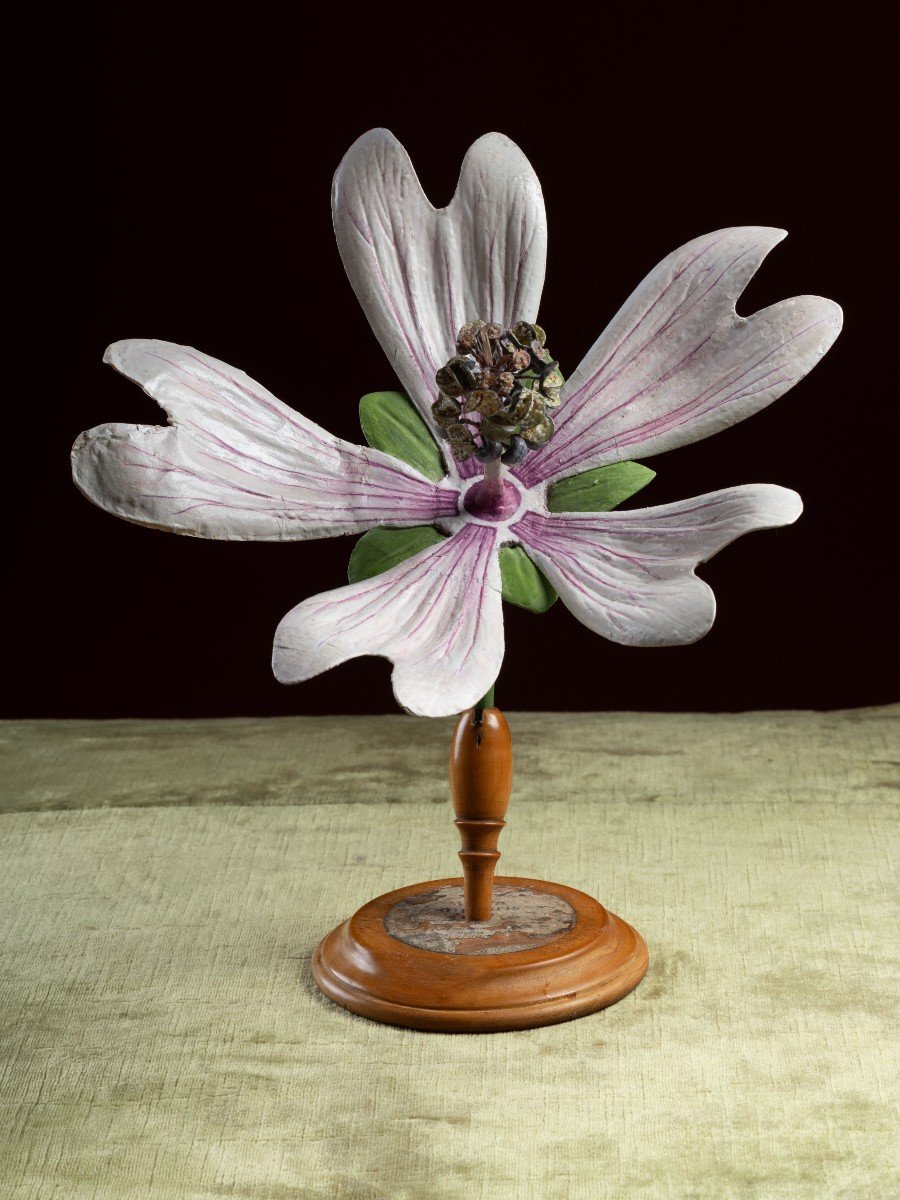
522,919
549,953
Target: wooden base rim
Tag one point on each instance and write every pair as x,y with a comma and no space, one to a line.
361,967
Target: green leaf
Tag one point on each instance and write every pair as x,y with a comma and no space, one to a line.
380,549
525,584
390,422
599,490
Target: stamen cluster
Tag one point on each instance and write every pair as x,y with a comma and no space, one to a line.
496,392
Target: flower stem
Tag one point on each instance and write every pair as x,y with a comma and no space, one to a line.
493,474
486,701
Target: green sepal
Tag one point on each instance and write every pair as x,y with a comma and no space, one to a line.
380,549
391,423
600,489
525,584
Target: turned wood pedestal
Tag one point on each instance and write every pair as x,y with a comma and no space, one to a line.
476,954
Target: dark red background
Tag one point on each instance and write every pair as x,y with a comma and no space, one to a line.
173,181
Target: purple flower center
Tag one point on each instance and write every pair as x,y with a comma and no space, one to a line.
492,499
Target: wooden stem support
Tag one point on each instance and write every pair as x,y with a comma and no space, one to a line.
480,783
491,954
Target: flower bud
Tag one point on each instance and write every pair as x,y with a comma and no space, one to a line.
465,339
539,433
515,452
499,428
459,375
445,411
489,451
527,407
482,400
505,377
461,442
527,333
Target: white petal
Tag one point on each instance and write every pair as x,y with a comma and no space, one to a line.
437,617
237,463
420,272
678,364
630,575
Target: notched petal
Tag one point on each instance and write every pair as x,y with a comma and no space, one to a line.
424,274
629,576
236,463
677,363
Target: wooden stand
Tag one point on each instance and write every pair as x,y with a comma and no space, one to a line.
478,955
480,783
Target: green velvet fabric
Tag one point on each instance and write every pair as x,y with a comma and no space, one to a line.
164,883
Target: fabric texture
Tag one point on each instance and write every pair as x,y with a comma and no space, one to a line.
164,884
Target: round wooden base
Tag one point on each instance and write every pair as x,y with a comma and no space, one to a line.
555,968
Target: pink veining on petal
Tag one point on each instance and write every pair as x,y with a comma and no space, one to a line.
237,463
574,402
421,272
437,616
629,575
678,364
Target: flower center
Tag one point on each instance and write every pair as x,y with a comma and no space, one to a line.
492,499
497,392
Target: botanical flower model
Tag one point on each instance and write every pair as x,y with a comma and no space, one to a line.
517,504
